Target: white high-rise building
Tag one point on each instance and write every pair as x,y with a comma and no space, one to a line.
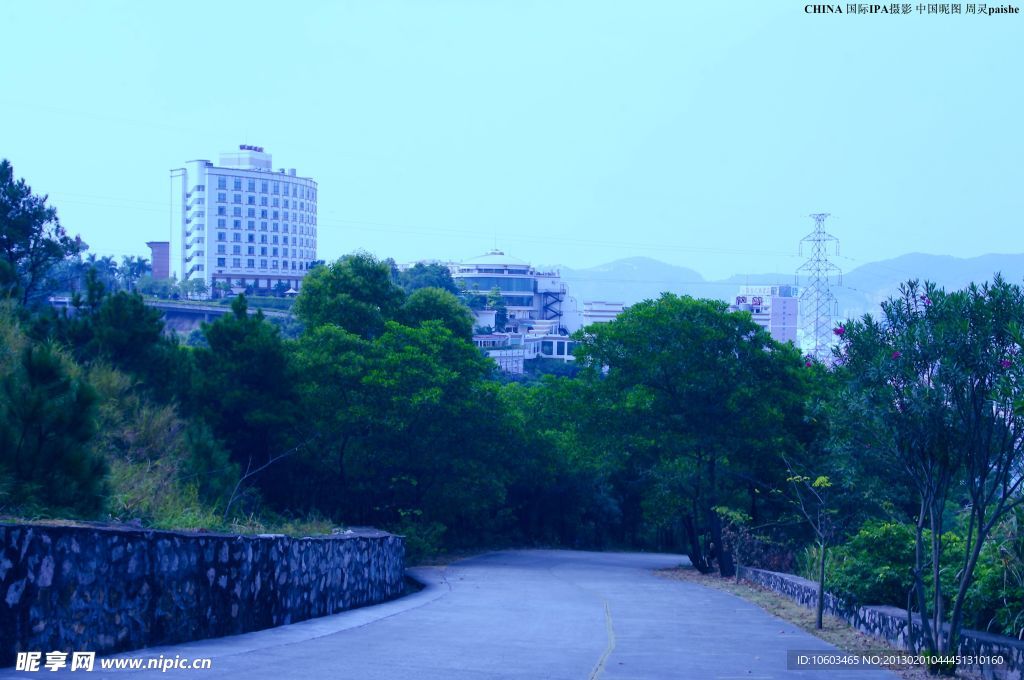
242,223
774,308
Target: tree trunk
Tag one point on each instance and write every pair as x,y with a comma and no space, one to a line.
726,564
821,585
696,554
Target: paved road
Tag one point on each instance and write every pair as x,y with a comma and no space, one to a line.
525,614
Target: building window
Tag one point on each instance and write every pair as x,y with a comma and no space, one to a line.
236,224
236,250
250,250
263,187
252,185
277,187
221,262
263,250
237,212
273,264
263,214
236,198
250,200
286,202
236,238
221,249
221,210
251,224
263,264
222,182
238,184
222,198
252,238
250,212
251,264
263,200
221,236
274,253
274,240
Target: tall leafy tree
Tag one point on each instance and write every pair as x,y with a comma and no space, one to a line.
431,275
32,241
496,301
47,422
245,388
356,293
434,304
702,393
940,376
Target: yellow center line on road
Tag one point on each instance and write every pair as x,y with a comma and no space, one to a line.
599,668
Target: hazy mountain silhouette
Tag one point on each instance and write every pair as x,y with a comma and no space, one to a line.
637,278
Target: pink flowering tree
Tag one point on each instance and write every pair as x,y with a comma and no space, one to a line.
936,385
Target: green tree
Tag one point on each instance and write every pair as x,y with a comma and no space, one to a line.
938,379
47,423
422,275
434,304
701,394
244,388
356,293
32,241
496,301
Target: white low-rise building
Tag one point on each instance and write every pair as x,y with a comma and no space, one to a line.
529,295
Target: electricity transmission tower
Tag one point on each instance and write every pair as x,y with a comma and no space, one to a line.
818,305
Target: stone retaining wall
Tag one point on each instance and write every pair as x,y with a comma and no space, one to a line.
891,624
113,589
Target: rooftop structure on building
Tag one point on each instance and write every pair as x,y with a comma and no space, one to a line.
773,307
541,311
241,224
529,294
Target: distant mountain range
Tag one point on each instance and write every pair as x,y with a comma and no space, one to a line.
637,278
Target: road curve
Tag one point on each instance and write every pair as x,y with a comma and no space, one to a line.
524,614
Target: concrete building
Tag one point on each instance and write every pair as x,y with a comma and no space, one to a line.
160,257
599,311
242,223
774,308
530,295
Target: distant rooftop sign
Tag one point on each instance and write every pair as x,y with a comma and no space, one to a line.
249,147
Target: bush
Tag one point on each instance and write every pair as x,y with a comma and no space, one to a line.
47,423
875,565
995,600
422,539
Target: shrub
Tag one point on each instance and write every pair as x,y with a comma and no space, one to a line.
875,565
47,423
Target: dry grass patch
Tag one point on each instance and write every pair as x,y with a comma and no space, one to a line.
834,631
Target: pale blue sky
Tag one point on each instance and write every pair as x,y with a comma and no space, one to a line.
567,132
